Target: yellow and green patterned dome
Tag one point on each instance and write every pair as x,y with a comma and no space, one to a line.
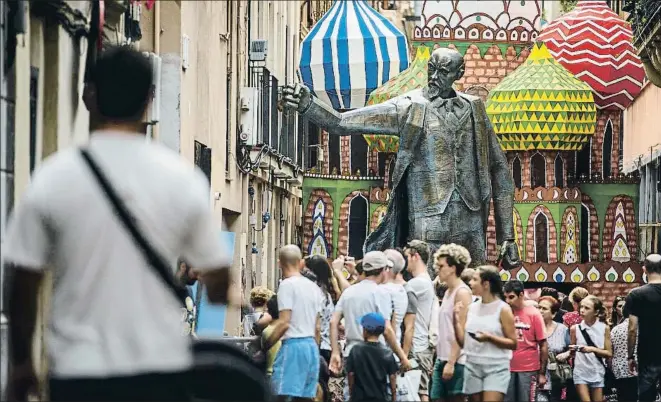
414,77
542,106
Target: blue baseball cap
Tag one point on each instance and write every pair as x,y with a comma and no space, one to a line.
373,322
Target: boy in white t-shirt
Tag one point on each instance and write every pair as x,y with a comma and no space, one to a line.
296,366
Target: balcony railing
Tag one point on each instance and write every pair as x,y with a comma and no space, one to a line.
645,17
275,128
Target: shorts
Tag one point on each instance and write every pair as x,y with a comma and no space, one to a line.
522,387
296,368
442,389
425,360
590,384
494,377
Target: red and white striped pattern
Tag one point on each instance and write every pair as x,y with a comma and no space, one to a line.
594,44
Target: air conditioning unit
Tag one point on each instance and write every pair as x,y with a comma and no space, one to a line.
258,49
154,113
250,133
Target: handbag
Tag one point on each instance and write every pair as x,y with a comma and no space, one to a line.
218,365
609,377
560,372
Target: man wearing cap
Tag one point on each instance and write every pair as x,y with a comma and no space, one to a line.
359,299
394,284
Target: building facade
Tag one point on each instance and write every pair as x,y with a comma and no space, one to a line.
223,67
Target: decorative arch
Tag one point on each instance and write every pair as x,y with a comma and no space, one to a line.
552,234
537,170
590,242
377,216
583,160
318,222
343,231
620,239
569,237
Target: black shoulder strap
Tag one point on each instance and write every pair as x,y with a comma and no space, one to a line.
155,260
586,336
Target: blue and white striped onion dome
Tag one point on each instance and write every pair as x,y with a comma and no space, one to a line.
351,51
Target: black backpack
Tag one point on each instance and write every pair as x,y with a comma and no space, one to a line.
222,371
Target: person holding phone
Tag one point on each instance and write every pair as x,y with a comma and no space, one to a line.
591,344
487,339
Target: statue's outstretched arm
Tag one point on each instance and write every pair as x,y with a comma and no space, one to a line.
383,118
502,188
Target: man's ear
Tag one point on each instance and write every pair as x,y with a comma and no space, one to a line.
460,73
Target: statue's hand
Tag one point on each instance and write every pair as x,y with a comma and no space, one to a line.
510,256
296,97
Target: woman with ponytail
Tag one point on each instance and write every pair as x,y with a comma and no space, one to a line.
591,345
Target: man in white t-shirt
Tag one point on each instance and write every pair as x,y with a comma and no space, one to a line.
300,301
417,322
359,299
114,331
394,284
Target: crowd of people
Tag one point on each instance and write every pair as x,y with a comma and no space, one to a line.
347,331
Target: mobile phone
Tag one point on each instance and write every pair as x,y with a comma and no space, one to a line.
472,335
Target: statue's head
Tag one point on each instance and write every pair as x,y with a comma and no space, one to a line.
445,67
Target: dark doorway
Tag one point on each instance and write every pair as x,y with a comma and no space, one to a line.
585,234
516,172
607,150
559,170
537,171
541,238
584,160
334,154
358,155
357,226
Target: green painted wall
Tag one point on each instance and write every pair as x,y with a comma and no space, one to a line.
602,195
338,189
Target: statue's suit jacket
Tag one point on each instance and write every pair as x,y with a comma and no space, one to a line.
404,116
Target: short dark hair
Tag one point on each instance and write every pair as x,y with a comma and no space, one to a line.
652,264
123,82
272,307
419,247
547,291
513,286
373,272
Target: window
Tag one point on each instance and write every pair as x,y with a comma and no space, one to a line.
607,151
537,171
358,155
334,154
358,211
585,234
516,172
584,160
313,143
559,171
541,238
203,159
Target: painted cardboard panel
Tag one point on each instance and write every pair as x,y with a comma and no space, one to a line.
210,320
